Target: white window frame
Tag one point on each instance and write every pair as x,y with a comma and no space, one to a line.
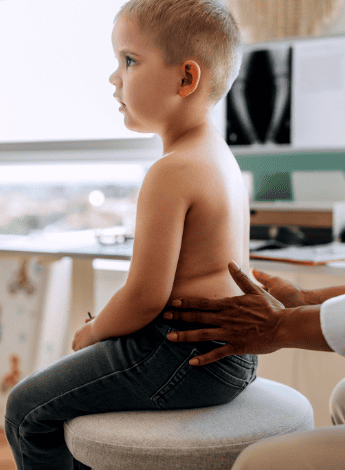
115,150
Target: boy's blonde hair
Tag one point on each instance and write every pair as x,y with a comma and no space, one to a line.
183,29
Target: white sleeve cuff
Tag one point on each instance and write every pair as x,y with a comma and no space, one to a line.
332,317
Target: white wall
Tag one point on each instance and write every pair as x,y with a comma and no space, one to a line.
109,277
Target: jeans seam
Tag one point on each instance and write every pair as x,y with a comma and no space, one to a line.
224,380
253,375
18,428
212,369
161,334
92,381
244,363
9,421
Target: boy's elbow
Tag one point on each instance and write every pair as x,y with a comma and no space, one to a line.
147,300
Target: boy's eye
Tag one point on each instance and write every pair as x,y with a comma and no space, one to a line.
127,58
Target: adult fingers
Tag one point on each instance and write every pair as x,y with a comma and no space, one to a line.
243,282
264,278
212,356
194,336
207,318
198,303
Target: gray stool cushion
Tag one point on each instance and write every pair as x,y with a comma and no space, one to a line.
201,438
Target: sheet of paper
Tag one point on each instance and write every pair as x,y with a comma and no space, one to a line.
319,254
318,185
319,93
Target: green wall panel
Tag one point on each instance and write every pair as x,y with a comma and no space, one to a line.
272,173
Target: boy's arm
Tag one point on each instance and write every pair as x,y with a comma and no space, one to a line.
163,202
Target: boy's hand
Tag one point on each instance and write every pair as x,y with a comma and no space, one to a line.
89,319
84,337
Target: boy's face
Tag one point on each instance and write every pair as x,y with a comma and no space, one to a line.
143,83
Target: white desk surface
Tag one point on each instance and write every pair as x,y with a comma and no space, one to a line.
82,249
83,245
335,268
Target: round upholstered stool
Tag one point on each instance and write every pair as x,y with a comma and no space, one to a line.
194,439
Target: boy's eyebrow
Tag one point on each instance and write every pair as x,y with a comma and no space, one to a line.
126,51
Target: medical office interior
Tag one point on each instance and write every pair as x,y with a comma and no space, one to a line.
70,172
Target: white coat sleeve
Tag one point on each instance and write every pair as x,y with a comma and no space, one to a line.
332,317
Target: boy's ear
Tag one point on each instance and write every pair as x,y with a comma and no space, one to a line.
192,73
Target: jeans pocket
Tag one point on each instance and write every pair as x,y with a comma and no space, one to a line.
234,371
161,328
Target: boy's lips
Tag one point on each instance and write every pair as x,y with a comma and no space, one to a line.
118,99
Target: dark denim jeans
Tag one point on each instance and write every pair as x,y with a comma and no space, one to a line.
141,371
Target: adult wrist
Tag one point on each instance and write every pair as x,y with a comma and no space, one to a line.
300,328
311,297
284,328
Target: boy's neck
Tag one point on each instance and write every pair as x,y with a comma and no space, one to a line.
187,136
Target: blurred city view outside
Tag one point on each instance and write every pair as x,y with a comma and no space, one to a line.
61,198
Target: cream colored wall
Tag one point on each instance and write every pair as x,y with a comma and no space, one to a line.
338,27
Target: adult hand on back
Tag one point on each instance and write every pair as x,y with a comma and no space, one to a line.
249,323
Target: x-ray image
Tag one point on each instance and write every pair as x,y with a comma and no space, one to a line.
259,102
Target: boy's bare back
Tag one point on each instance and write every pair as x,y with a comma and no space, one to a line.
215,228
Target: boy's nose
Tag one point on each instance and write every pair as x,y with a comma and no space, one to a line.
115,79
112,78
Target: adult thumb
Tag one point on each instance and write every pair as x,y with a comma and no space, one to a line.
243,282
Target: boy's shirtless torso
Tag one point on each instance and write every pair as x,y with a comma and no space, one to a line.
216,226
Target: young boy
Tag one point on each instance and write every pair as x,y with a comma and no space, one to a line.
176,60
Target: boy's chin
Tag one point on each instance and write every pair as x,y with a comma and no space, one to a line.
138,127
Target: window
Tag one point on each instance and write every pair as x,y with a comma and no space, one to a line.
68,197
56,59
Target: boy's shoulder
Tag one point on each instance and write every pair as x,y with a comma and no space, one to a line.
208,148
177,160
209,152
171,172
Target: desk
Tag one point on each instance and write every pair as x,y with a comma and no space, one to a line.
313,373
